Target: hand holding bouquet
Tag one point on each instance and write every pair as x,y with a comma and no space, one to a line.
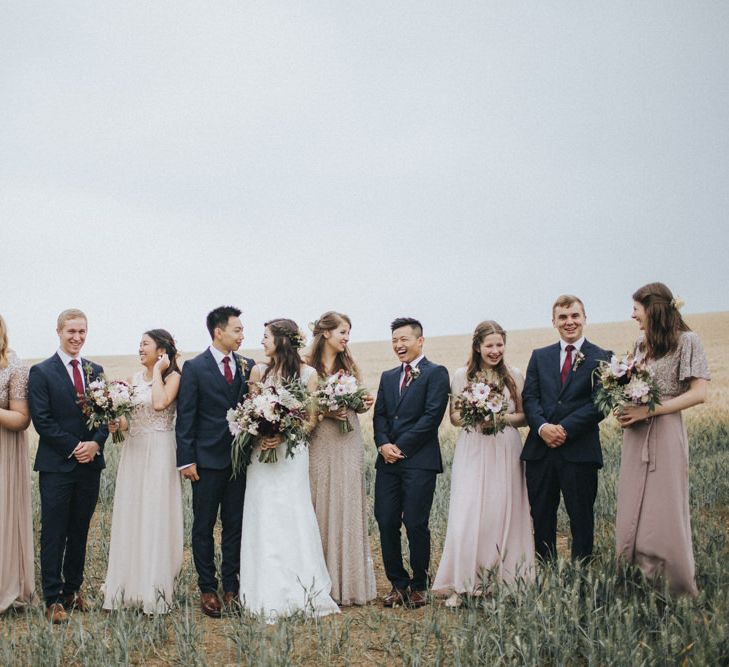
105,401
482,404
277,409
338,391
625,381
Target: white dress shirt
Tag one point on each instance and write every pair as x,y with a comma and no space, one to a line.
66,359
413,364
218,356
563,353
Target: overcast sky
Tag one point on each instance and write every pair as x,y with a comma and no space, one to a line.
454,161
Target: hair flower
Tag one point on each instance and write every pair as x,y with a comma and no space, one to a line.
677,302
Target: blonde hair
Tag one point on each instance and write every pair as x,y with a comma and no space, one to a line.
4,349
565,301
70,314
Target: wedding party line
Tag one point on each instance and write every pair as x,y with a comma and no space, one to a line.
275,455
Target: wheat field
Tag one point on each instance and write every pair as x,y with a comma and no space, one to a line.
570,616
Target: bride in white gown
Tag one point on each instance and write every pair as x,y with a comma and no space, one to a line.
282,564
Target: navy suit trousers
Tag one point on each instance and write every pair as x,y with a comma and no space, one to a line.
68,501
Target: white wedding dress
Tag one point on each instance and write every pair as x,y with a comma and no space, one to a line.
282,563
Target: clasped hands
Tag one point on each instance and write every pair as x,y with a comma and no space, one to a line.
553,435
391,453
86,451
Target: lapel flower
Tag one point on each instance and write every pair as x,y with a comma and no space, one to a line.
579,358
242,365
414,375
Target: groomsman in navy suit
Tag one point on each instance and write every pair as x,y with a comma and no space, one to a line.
69,461
562,451
411,401
211,384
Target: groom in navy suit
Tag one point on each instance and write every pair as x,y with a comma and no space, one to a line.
562,451
211,384
411,401
69,460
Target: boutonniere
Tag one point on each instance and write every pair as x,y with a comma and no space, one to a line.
242,365
88,371
414,375
579,358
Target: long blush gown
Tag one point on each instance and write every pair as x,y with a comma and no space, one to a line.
145,554
489,524
653,523
17,572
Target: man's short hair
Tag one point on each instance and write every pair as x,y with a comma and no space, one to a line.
70,314
407,322
565,301
219,317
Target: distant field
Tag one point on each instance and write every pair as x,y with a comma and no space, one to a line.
569,616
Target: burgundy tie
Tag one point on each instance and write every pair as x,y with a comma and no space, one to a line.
78,383
226,371
405,378
567,362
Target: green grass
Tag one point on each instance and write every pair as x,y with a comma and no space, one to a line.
569,616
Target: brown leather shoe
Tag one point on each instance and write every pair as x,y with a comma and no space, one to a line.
75,602
417,599
395,598
56,614
210,604
231,603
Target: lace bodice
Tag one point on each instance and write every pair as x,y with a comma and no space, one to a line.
13,381
673,371
145,417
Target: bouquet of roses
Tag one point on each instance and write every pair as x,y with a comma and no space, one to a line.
278,409
625,381
482,403
104,401
341,390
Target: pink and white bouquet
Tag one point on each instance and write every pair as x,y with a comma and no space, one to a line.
482,403
277,409
625,381
106,400
341,390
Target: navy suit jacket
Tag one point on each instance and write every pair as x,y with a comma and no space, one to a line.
57,416
547,401
410,420
203,401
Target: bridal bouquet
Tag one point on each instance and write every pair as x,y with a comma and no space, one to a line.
624,381
104,401
482,403
341,390
278,409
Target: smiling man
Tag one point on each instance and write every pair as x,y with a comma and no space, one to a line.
69,461
211,384
562,451
411,401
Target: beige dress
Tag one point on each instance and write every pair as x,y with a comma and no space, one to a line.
653,525
336,477
17,576
489,524
145,554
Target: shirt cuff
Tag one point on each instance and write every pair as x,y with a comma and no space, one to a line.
187,465
539,430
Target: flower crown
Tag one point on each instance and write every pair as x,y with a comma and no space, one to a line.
297,338
677,302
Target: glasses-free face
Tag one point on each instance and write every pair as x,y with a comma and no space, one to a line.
230,337
569,322
406,344
72,336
